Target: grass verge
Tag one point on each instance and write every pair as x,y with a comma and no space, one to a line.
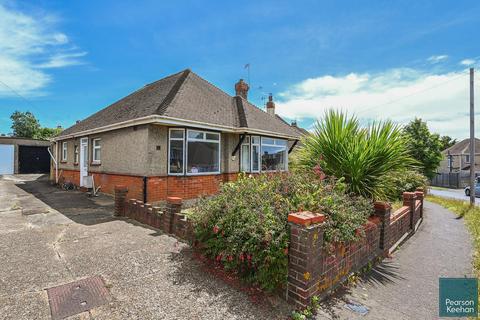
471,215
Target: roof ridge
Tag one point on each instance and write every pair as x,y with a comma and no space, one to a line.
173,92
167,77
242,118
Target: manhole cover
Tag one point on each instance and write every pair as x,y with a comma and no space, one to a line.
76,297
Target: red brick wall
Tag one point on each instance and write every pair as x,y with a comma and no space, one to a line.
399,225
158,188
341,259
72,176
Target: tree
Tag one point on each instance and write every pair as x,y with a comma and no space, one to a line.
424,146
447,142
24,124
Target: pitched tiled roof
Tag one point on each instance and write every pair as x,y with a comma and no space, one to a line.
463,147
186,96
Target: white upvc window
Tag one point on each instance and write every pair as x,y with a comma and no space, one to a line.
245,156
203,152
96,151
64,151
193,152
274,154
176,151
467,158
263,154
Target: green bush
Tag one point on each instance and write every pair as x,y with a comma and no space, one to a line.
362,156
245,226
405,181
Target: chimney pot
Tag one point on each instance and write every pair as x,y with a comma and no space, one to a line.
294,123
241,89
270,105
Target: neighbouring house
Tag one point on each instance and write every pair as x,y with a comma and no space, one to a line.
454,169
179,136
457,157
23,155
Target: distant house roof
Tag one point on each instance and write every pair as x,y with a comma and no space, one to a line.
185,96
462,147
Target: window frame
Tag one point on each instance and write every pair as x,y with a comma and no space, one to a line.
467,158
249,144
65,151
183,153
94,147
219,141
76,154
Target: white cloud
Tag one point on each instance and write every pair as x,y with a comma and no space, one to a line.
467,62
437,59
398,94
28,45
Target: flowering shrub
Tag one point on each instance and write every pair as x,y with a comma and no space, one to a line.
245,226
406,180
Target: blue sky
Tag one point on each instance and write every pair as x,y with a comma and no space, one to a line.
387,59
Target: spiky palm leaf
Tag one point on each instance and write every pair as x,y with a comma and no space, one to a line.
362,156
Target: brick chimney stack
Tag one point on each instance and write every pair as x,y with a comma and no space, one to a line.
241,89
271,105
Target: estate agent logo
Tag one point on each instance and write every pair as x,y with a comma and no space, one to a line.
458,297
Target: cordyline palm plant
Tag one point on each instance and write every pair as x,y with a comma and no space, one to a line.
361,156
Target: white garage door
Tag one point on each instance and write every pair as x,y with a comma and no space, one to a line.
6,158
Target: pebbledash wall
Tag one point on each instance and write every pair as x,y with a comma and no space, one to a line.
314,268
130,154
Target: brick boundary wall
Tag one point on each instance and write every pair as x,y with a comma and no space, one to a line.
170,220
315,269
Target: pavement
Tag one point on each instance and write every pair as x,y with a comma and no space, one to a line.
405,286
50,237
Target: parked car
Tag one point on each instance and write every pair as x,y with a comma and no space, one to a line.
477,188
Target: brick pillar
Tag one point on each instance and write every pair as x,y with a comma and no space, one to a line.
383,210
420,196
304,256
409,201
174,205
120,196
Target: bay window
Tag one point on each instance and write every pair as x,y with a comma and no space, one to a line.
199,150
263,154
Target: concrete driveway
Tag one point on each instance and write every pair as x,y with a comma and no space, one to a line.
50,237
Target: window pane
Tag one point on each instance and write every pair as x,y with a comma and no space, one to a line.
96,154
273,158
255,156
245,161
246,140
176,156
203,157
96,143
256,140
268,141
212,136
195,135
176,134
280,142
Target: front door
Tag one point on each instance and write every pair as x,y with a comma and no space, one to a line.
83,160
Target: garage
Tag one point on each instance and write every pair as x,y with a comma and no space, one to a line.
33,159
7,158
22,155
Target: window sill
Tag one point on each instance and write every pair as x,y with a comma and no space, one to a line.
75,163
63,161
95,163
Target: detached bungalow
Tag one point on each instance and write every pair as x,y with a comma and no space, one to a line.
179,136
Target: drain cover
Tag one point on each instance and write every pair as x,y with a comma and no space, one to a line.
76,297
